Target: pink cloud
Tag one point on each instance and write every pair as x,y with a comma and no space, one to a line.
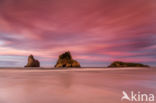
101,30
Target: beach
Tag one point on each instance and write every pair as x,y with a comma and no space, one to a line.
83,85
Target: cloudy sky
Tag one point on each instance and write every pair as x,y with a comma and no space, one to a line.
96,32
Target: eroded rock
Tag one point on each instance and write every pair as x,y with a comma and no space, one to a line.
32,62
65,60
126,64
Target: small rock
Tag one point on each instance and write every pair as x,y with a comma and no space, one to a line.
32,62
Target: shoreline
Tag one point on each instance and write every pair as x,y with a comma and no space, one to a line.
76,69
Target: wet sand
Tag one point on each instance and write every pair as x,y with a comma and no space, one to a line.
88,85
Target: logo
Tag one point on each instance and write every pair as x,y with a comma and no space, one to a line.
137,96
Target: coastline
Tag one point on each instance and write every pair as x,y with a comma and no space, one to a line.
74,69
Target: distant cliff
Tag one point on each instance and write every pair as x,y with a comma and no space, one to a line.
66,60
32,62
126,64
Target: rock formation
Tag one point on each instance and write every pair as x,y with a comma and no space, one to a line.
65,60
32,62
126,64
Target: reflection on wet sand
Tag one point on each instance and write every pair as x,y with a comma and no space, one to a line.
23,86
66,80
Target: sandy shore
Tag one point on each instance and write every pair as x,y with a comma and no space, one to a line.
86,85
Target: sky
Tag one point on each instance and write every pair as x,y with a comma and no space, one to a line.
96,32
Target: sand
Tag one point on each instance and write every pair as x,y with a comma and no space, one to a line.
85,85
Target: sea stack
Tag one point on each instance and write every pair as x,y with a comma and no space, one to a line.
65,60
126,64
32,62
